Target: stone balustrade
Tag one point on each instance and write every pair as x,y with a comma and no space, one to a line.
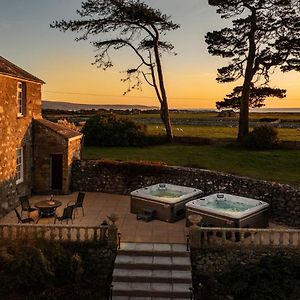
205,237
59,232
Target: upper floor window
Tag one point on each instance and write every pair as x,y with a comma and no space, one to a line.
20,165
21,90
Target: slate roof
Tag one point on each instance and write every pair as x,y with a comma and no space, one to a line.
10,69
61,130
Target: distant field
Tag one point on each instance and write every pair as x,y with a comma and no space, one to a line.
214,115
278,165
285,134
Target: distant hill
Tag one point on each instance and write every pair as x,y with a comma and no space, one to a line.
77,106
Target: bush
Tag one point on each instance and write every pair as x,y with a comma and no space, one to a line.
48,270
274,277
262,137
110,130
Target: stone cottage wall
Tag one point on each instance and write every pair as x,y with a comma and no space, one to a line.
16,132
47,142
124,177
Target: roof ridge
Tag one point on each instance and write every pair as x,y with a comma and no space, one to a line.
11,69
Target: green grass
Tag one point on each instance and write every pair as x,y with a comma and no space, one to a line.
214,116
277,165
285,134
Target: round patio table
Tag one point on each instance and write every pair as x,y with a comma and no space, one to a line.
47,208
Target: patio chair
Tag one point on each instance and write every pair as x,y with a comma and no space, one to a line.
20,220
66,216
25,205
79,202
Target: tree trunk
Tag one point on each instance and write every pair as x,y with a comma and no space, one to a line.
164,109
244,105
164,114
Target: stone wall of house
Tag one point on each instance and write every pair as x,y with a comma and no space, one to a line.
74,154
16,132
124,177
46,143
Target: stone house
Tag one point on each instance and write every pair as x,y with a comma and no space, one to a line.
35,154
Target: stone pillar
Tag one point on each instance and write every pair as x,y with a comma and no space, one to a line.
195,231
112,232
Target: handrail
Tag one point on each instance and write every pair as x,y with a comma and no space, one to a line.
201,237
55,232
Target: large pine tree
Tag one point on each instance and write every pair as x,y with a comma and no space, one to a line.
116,24
265,34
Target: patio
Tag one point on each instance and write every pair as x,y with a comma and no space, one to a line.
97,206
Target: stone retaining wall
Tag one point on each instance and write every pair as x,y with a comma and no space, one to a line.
124,177
219,260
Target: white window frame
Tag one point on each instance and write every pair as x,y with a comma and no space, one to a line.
20,165
20,98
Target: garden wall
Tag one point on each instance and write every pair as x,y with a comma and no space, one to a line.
219,260
124,177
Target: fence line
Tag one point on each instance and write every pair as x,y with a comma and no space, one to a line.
57,232
205,237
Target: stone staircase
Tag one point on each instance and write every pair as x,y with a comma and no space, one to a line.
145,271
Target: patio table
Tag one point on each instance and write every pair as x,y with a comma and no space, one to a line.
47,208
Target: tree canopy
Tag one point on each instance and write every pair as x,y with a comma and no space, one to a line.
257,97
116,24
265,35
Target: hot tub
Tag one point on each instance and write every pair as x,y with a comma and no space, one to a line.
225,210
167,201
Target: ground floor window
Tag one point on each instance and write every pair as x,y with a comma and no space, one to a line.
20,165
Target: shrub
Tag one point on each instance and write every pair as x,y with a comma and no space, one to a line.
48,270
273,277
110,130
262,137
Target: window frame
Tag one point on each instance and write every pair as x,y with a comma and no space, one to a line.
21,98
19,165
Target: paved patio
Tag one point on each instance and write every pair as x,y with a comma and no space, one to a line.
97,206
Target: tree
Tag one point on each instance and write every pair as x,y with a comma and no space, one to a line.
257,97
132,24
265,35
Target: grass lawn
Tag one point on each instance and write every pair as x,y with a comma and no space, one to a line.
285,134
214,116
277,165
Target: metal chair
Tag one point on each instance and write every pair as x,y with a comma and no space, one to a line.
20,220
79,202
25,205
66,216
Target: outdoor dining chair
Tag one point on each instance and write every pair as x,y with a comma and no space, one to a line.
79,202
66,216
26,220
25,205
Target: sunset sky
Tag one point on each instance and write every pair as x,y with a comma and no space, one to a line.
65,65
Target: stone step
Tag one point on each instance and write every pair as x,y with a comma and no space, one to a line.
166,276
149,249
148,298
152,262
138,289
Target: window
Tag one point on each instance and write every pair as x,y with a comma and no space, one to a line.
20,165
21,88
